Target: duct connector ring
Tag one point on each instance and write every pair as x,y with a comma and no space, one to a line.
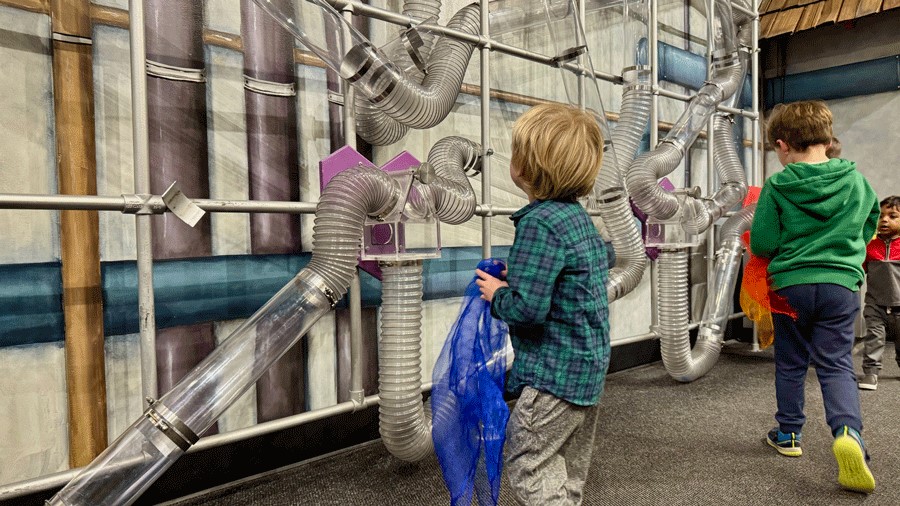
636,77
725,115
412,42
169,424
726,60
312,279
677,143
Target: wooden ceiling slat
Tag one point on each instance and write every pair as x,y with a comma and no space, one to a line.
786,22
867,7
830,11
777,5
810,16
778,17
765,24
848,10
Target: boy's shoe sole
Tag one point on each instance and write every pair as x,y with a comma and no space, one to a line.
787,452
853,473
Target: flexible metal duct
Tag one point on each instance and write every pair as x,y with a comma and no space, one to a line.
405,425
700,214
612,200
413,49
680,361
403,101
728,72
376,77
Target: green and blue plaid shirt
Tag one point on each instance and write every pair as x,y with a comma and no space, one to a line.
556,305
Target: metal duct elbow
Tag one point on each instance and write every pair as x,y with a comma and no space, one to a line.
452,158
399,98
415,48
341,212
612,200
642,180
680,361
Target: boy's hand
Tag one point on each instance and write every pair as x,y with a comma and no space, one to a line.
488,284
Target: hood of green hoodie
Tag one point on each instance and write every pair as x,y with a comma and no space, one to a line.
817,187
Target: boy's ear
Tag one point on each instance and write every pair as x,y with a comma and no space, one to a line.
782,146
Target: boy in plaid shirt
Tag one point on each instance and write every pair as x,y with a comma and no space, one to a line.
554,301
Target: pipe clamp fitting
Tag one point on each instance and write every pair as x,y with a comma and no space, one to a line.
318,282
169,424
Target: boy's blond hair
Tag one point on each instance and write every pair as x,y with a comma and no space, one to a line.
558,149
800,124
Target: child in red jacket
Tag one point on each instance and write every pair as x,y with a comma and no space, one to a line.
882,311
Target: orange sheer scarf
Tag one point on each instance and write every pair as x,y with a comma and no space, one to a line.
758,300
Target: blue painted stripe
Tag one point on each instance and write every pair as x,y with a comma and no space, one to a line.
30,303
190,291
862,78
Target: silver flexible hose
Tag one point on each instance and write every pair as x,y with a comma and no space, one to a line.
454,199
341,212
682,363
642,178
699,213
612,200
407,101
404,426
373,125
674,308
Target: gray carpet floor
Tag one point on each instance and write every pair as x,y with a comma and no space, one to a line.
660,442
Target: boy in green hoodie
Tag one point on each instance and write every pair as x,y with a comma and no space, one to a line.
813,221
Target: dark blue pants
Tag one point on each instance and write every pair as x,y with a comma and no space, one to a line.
822,334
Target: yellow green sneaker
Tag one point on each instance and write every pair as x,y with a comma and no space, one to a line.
850,452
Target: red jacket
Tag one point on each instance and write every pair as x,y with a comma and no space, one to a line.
882,265
877,249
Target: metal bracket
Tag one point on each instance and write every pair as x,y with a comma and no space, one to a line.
335,98
181,205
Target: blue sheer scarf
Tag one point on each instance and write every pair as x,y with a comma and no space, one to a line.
469,413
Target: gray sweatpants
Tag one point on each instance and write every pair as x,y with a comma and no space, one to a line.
879,324
548,449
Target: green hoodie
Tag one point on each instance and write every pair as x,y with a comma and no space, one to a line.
813,222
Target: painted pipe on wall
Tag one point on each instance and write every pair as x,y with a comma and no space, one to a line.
880,75
73,99
270,98
178,150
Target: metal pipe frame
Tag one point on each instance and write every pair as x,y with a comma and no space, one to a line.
153,204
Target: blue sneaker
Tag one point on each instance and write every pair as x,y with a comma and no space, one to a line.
851,455
787,444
